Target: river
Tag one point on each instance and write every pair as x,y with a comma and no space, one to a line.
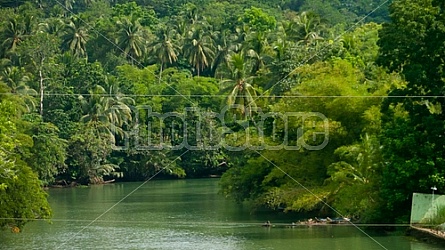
180,214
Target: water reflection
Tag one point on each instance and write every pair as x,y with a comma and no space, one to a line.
185,214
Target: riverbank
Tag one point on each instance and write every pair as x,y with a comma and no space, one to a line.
427,235
71,183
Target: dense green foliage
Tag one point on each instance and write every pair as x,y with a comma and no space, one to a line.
21,196
296,105
413,128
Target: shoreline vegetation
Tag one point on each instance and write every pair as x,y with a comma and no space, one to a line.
427,235
65,184
294,105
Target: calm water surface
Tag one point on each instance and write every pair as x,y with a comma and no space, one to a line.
179,214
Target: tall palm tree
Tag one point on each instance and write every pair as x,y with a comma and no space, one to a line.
131,39
225,44
75,37
258,48
242,92
198,49
106,110
12,35
165,48
17,28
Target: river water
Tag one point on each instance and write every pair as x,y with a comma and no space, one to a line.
180,214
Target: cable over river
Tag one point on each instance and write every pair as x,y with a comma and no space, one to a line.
182,214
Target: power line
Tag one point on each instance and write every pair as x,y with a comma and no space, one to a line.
219,95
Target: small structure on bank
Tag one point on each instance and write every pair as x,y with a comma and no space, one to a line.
428,214
427,210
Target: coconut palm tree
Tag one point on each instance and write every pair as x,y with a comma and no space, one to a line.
29,23
12,35
282,40
198,48
257,47
75,37
308,26
240,37
131,39
165,48
16,79
54,26
224,46
107,111
242,92
359,163
17,28
181,26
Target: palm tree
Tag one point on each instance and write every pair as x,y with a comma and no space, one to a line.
198,49
131,39
190,13
17,28
241,36
242,92
181,26
28,23
13,34
224,46
16,79
258,48
359,163
165,48
75,37
107,111
307,28
53,26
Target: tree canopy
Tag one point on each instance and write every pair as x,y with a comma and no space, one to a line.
341,98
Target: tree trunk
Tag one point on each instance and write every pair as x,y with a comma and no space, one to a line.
160,73
41,92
